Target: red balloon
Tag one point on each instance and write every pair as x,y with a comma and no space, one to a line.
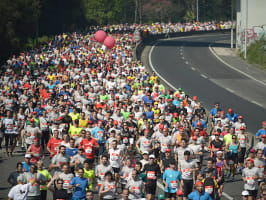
109,42
100,36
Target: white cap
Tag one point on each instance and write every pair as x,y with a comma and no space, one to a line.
145,152
161,117
151,156
27,156
245,193
219,152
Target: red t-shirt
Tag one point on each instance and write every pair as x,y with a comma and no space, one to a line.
89,150
52,144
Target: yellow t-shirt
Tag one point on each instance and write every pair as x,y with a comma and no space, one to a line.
74,131
48,177
83,123
74,116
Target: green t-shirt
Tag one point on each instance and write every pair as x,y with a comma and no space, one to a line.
227,139
89,174
47,175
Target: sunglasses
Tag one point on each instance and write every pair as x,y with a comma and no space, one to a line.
60,183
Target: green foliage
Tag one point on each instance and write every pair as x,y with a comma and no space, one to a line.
256,53
190,16
24,19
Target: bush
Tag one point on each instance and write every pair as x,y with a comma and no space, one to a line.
256,53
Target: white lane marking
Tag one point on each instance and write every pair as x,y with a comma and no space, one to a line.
183,57
230,90
186,62
204,76
153,69
255,102
153,46
230,66
181,53
193,68
160,185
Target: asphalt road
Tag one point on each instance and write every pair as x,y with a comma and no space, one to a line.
188,63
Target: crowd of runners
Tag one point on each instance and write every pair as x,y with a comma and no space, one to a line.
95,124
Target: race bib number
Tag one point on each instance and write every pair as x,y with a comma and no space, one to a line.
100,134
250,181
151,175
66,184
112,187
31,181
89,150
173,184
125,140
114,156
209,189
186,172
146,144
136,190
164,147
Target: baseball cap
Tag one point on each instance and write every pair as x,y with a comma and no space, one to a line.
264,122
161,117
89,121
199,183
218,152
245,193
145,152
115,122
263,136
252,151
230,110
31,120
179,192
167,150
216,133
20,178
161,196
240,117
194,138
27,156
251,160
242,128
152,156
195,98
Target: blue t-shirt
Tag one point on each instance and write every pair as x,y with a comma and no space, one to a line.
149,115
146,100
203,124
214,111
172,178
196,196
261,132
233,117
26,167
71,152
98,133
80,191
176,103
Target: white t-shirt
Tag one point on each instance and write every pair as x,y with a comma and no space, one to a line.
19,192
115,157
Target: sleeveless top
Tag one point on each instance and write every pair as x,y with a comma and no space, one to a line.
36,153
233,148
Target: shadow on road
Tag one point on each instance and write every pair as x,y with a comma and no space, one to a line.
191,43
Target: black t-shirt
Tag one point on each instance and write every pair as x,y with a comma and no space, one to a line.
152,170
60,194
